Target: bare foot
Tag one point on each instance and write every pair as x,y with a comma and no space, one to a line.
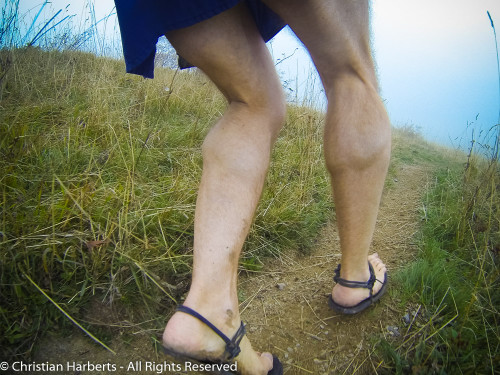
348,297
186,335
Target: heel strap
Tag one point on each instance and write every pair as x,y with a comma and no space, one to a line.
232,345
356,284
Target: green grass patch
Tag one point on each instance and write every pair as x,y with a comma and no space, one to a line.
99,173
454,283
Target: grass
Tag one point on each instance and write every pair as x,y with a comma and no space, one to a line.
453,286
99,179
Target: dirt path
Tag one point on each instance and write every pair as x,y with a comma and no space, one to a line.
285,306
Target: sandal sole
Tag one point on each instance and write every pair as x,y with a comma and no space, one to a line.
363,305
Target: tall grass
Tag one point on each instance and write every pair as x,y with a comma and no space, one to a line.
98,180
451,293
41,25
99,174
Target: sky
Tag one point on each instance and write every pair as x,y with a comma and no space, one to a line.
436,62
437,65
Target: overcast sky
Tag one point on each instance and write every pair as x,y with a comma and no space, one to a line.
436,62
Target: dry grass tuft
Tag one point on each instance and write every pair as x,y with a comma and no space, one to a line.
99,179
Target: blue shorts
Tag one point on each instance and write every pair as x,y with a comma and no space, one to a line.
142,22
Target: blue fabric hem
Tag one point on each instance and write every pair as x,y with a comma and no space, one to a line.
142,22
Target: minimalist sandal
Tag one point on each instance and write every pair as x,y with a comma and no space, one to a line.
364,304
222,365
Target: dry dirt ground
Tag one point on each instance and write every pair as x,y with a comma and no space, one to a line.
288,313
285,305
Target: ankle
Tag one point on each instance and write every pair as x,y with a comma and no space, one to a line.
357,273
222,311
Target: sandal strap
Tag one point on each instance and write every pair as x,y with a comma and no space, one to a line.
232,345
356,284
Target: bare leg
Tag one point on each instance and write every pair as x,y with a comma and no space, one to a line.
357,130
236,152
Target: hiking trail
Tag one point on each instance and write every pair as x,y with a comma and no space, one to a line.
285,304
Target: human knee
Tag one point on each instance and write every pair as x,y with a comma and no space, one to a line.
242,140
357,132
264,105
275,110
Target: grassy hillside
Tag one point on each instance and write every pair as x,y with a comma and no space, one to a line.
451,292
98,180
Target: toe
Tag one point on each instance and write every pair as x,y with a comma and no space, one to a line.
380,270
253,362
377,264
267,359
